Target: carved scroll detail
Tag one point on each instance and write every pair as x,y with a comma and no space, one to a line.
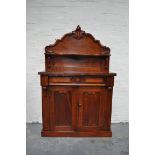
78,33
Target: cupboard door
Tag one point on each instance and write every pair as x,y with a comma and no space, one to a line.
91,108
62,108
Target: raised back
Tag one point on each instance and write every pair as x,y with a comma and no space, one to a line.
78,42
77,52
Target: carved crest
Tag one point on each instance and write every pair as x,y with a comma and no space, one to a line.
78,33
78,42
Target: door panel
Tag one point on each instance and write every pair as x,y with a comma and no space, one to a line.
91,103
91,108
63,109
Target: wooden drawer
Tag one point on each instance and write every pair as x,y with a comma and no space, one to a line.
77,80
60,79
92,80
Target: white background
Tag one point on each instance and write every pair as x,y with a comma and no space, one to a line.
107,20
13,77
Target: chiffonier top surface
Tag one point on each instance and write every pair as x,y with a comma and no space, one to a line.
77,43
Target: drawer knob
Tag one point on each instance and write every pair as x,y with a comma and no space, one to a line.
73,79
77,79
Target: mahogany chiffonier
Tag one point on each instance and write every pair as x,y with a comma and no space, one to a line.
77,87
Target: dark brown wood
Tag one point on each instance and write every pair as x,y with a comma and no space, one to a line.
77,87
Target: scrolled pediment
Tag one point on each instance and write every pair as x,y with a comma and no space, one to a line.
78,42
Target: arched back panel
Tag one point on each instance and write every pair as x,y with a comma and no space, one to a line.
78,42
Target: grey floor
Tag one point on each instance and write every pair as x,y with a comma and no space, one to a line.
117,145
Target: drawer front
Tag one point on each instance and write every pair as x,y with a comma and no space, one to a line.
60,79
77,80
92,80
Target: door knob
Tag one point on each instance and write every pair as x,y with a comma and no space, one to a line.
79,105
